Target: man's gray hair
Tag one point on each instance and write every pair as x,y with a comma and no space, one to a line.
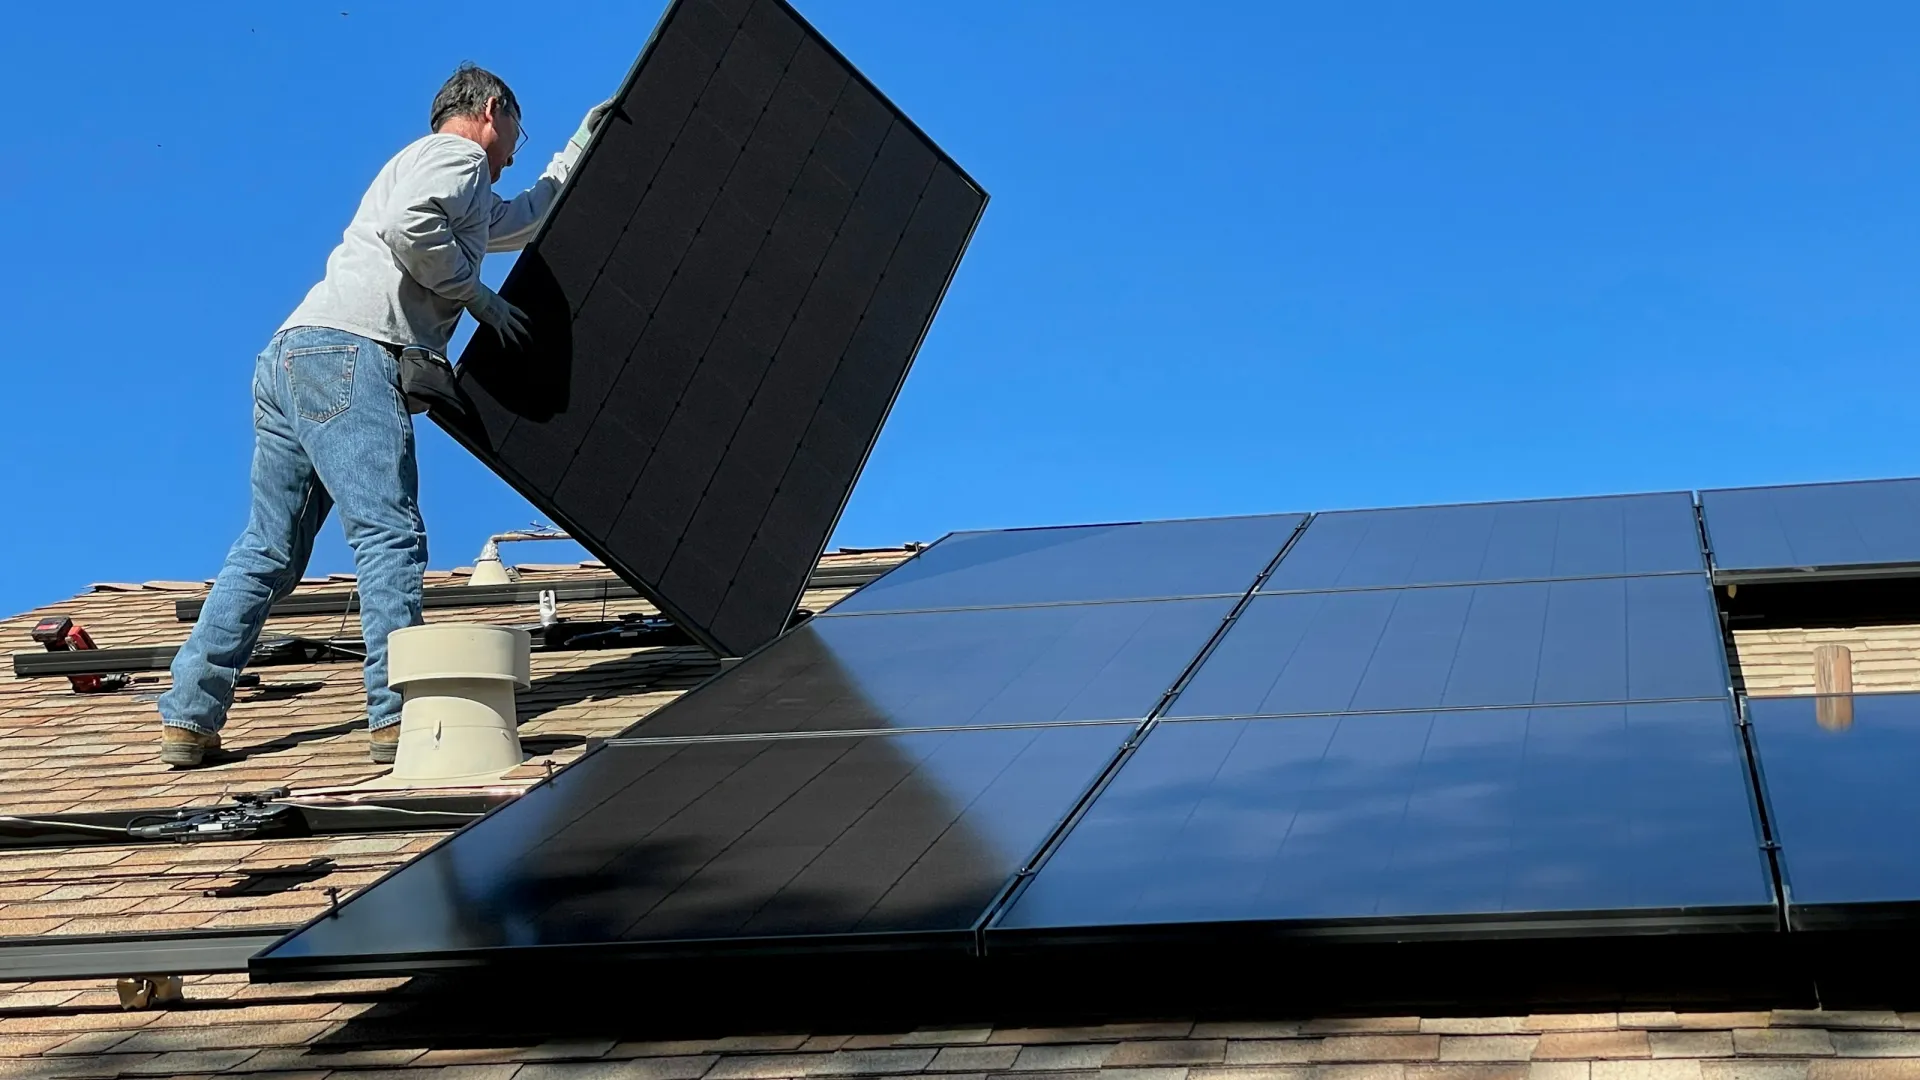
467,94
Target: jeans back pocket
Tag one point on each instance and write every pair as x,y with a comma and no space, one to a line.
322,380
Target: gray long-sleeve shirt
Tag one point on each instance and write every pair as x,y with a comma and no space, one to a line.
410,260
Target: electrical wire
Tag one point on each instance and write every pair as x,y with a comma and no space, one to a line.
197,875
74,825
125,830
374,806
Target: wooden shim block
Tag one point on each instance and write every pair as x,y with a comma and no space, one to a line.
1833,681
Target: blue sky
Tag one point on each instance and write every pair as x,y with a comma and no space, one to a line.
1240,256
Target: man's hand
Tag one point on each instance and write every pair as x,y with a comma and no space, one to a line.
507,321
591,123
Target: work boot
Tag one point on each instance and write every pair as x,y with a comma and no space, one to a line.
383,744
183,748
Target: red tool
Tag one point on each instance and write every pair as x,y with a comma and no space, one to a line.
61,634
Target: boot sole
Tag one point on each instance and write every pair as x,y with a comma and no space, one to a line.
383,755
183,757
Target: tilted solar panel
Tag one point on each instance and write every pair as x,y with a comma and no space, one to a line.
724,303
1497,821
1864,529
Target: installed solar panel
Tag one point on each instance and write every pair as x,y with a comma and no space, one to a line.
953,669
1515,541
724,303
1370,751
1789,533
1844,803
1215,556
887,840
1544,643
1472,821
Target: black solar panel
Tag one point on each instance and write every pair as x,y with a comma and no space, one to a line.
1790,533
1544,643
724,304
724,845
1843,802
953,669
1487,820
1211,557
1515,541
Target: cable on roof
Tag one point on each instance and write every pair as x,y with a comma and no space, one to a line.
189,876
380,807
62,825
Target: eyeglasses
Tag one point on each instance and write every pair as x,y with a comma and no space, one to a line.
520,140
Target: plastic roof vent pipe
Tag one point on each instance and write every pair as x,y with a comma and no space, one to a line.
456,683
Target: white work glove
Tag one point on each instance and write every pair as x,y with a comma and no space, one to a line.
591,123
507,321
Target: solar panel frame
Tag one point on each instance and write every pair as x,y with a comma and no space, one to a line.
730,596
1741,556
1106,831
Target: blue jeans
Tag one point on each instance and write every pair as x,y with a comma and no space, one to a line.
330,426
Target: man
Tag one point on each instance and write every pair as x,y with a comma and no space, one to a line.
331,426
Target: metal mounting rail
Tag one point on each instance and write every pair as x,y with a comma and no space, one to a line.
561,636
294,650
338,602
108,956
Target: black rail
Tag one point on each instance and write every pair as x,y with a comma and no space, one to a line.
341,602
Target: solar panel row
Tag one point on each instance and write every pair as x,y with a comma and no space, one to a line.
1162,746
1871,528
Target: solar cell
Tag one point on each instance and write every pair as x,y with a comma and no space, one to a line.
883,840
1513,541
1790,533
723,304
1489,821
1843,802
1210,557
953,669
1543,643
